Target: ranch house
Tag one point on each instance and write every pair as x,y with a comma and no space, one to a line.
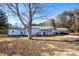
36,30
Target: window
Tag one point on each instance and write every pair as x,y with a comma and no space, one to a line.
21,33
12,31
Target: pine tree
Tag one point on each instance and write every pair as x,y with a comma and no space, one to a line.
3,22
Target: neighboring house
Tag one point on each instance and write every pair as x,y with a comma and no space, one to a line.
36,30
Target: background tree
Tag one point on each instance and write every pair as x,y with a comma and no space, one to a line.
41,24
49,22
66,19
74,27
58,22
3,22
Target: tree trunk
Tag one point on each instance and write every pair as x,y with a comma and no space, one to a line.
29,33
30,22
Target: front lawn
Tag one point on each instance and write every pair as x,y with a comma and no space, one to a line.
38,48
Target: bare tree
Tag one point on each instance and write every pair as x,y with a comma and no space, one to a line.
26,15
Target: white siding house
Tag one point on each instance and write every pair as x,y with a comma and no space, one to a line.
16,31
36,30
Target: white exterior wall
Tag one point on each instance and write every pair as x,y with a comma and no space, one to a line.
34,31
22,31
10,32
16,32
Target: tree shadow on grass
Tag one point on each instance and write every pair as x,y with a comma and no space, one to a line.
76,41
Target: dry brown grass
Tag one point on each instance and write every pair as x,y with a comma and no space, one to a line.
16,46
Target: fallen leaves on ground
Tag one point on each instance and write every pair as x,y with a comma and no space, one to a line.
38,48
